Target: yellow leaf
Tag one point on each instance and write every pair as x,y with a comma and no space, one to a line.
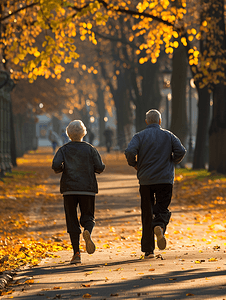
37,54
30,281
184,41
16,60
86,296
212,259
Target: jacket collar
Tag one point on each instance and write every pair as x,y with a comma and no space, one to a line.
153,125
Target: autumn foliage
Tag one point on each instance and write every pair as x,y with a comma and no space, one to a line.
39,38
21,192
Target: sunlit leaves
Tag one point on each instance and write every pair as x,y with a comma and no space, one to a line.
162,27
59,22
18,193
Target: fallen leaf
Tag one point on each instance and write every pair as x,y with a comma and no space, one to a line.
30,281
213,259
86,296
85,285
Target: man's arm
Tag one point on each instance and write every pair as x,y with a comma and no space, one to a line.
178,151
132,151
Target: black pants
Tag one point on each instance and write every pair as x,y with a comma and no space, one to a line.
87,207
155,200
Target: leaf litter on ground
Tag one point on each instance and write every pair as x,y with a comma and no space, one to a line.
27,187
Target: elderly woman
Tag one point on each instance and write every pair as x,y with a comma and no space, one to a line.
78,161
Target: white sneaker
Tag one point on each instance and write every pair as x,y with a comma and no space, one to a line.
90,246
161,240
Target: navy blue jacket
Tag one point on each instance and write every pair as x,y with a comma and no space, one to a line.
154,151
79,161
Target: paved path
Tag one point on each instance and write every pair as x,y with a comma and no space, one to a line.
116,270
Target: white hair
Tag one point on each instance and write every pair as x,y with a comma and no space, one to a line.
153,116
76,130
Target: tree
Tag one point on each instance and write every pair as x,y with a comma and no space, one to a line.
158,23
217,44
207,66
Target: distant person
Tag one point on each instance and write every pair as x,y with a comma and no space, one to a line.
78,161
153,152
108,134
91,136
64,137
54,139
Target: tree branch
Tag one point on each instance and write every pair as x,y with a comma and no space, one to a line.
124,11
18,10
114,39
136,13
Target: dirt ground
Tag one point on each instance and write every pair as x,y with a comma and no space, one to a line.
192,265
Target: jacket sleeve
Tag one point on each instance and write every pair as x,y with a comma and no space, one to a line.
99,166
58,162
178,150
132,151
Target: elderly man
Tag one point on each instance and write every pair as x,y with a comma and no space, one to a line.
153,152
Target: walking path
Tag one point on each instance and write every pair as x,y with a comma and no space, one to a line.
193,264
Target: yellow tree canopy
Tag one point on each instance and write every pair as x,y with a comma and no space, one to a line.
163,23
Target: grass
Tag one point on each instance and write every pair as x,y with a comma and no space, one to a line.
199,174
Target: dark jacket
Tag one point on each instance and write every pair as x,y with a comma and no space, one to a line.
79,161
157,151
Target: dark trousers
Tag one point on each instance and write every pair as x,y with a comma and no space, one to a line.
87,221
155,200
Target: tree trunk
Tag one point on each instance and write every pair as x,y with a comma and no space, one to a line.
140,117
6,86
118,96
12,138
101,111
179,125
150,84
217,137
149,97
201,146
